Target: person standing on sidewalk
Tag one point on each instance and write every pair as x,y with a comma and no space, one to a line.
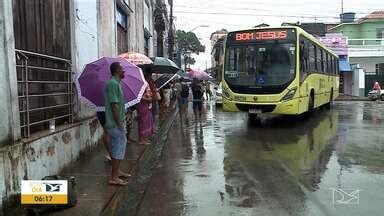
145,121
101,118
182,97
197,92
208,92
114,122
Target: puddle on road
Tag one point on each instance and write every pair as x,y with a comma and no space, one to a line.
283,165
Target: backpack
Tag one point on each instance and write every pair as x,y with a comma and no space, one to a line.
184,91
197,92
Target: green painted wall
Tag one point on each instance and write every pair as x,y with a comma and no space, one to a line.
357,31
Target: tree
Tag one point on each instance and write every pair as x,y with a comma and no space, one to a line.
188,60
188,44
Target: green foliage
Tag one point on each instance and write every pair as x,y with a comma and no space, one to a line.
189,60
188,43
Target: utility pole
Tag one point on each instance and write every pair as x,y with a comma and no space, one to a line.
171,36
342,7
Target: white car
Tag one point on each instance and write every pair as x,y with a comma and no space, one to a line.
373,95
218,91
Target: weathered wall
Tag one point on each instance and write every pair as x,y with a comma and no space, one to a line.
93,34
85,42
107,28
136,26
45,156
8,90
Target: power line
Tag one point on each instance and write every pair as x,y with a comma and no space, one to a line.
256,15
221,7
288,5
266,15
253,9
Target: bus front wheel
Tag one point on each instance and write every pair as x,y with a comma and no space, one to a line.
311,102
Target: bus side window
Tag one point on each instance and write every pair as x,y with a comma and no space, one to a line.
322,57
329,64
318,57
328,61
312,58
304,59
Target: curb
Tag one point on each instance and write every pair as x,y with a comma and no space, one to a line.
353,99
126,200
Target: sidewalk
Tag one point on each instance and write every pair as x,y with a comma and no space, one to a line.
344,97
92,173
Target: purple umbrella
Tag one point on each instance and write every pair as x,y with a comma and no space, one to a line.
91,82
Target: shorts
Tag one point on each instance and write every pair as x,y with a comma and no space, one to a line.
183,103
198,105
101,118
117,143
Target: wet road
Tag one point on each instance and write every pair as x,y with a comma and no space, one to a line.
278,166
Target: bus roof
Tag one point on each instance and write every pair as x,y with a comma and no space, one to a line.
298,30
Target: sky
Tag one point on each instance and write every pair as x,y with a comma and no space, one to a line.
242,14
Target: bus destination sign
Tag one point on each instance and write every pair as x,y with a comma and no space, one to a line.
259,36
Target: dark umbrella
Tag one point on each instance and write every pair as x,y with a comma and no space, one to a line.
163,65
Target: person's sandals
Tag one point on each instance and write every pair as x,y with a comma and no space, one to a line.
108,158
124,175
117,182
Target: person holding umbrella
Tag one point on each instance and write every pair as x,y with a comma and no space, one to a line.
197,92
112,95
114,122
145,118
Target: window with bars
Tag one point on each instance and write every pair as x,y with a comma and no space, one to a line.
45,91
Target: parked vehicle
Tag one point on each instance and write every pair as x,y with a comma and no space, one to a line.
374,95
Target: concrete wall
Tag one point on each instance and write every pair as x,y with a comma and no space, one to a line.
358,81
93,34
352,31
136,26
44,156
8,89
368,64
107,28
368,29
357,31
85,42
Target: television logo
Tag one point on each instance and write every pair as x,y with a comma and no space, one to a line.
345,196
44,192
52,187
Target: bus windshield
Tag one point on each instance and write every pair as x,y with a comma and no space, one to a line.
260,65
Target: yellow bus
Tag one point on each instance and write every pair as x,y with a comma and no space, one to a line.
282,70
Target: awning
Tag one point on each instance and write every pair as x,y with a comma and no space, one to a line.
344,65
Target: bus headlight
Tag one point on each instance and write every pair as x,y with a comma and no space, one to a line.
289,95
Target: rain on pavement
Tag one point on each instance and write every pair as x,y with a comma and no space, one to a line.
278,166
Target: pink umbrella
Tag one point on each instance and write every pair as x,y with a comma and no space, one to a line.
197,74
136,58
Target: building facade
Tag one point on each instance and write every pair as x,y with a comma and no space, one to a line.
217,53
365,40
41,51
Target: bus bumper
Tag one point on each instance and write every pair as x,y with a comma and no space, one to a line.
290,107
